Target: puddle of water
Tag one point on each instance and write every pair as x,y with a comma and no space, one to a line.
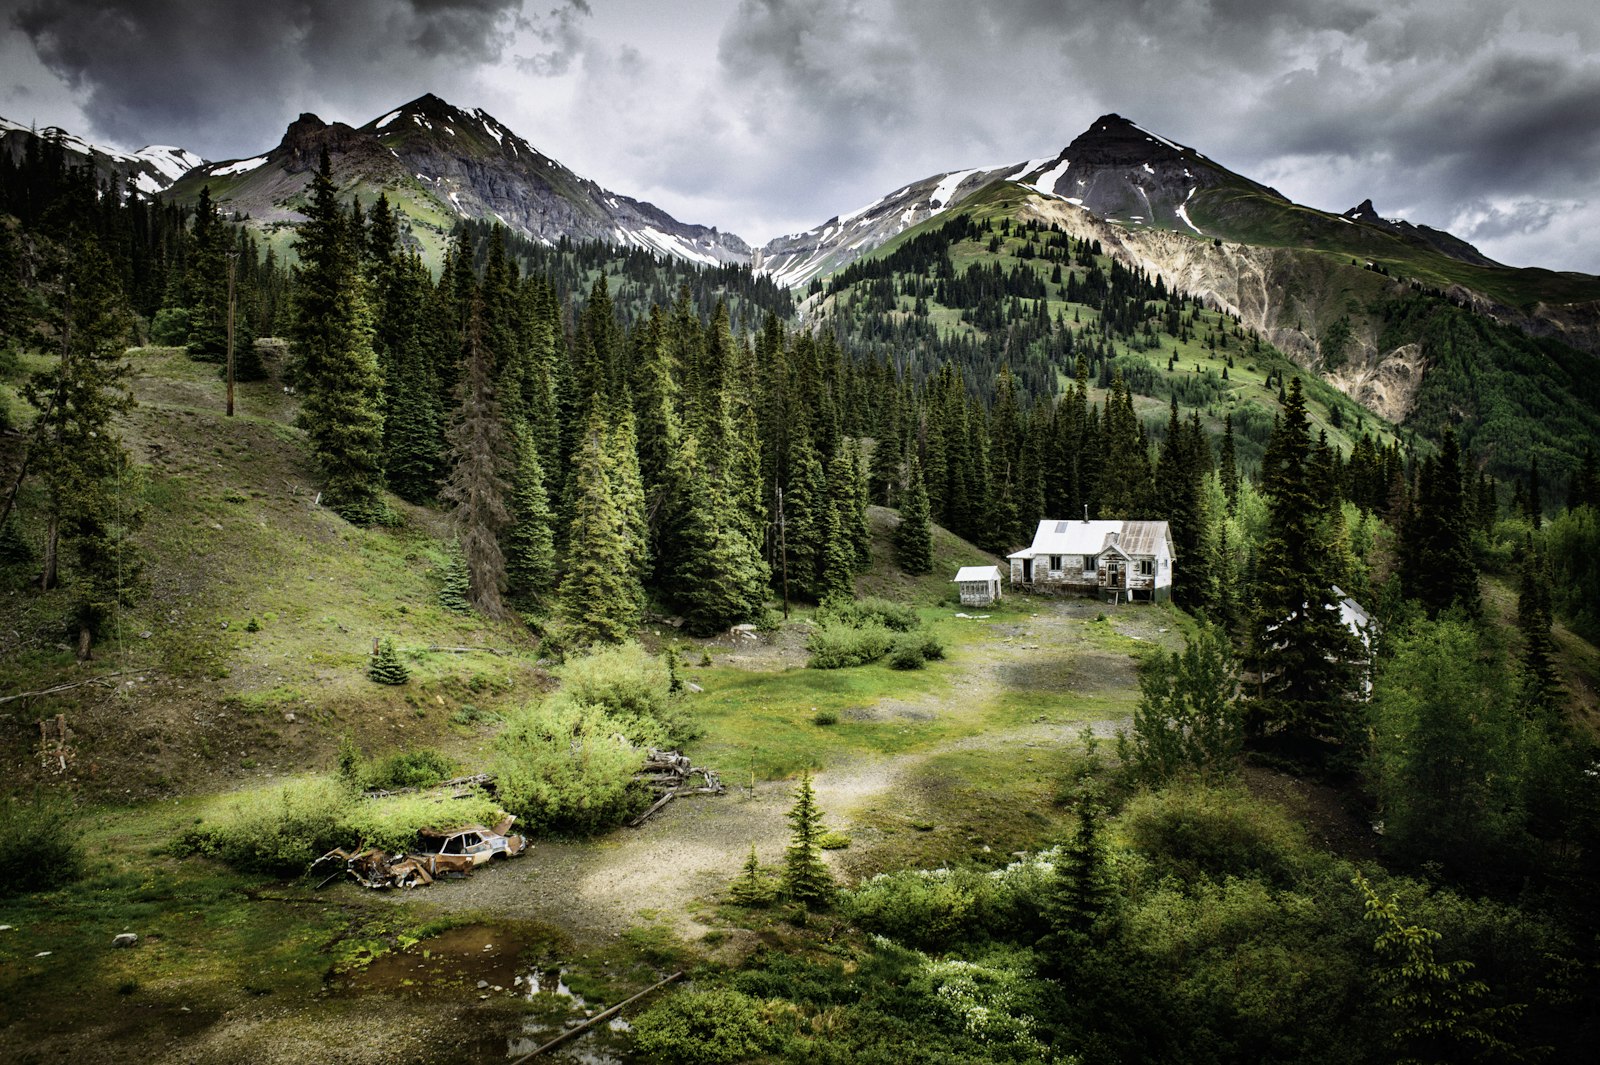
548,986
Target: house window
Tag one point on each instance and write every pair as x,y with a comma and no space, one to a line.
1055,563
1088,563
1147,566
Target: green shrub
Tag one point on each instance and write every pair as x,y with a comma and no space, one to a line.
825,718
840,646
936,908
634,687
1192,831
562,767
703,1028
393,822
276,830
869,611
422,767
37,847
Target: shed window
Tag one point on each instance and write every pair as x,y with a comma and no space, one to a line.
1146,567
1055,562
1088,563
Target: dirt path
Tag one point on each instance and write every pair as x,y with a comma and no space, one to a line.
680,860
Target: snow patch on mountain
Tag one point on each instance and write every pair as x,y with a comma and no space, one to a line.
243,166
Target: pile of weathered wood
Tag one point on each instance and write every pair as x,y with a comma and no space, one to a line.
670,774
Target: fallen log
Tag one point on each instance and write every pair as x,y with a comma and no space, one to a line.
470,650
67,687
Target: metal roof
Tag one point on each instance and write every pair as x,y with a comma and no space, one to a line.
1093,537
977,573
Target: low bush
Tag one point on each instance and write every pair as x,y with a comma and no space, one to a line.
278,830
422,767
868,611
281,830
841,646
392,823
37,847
568,767
1192,831
913,650
634,688
934,909
703,1028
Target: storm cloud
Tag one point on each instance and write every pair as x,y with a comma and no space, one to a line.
223,75
768,116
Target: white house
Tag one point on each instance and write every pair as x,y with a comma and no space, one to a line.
1120,561
980,585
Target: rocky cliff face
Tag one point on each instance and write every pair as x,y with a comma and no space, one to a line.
438,163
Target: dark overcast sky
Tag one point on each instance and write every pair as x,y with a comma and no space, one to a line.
769,116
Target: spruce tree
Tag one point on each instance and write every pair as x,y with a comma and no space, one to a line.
754,886
334,359
1080,899
913,537
721,579
1441,568
1301,648
386,666
806,878
1228,465
1541,686
453,592
601,593
530,541
91,493
836,579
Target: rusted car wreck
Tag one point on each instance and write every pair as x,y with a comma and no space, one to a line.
451,852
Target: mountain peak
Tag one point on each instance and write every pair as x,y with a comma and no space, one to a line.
1116,141
1364,212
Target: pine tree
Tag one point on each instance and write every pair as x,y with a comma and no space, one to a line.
90,490
601,593
1441,568
721,579
754,886
1541,686
332,336
1229,469
386,666
1080,900
913,537
1301,648
530,541
836,579
806,878
453,592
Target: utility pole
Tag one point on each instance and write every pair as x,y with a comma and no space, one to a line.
783,553
233,262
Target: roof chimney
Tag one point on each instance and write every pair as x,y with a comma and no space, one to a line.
1086,513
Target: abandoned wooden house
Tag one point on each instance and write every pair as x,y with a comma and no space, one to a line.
1119,561
979,585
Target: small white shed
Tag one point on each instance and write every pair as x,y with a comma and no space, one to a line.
980,585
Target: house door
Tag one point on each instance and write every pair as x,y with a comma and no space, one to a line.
1027,571
1113,574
